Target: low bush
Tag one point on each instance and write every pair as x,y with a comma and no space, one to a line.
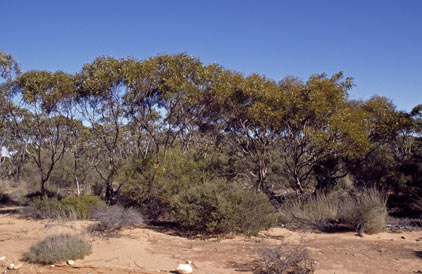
364,210
115,217
217,207
81,204
49,209
58,248
71,207
284,260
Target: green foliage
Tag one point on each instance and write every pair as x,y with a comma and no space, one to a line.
216,207
58,248
71,207
151,186
50,208
142,132
81,204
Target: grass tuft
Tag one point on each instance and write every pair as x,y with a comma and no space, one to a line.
364,211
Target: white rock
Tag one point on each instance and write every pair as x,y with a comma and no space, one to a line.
70,262
2,258
185,268
16,267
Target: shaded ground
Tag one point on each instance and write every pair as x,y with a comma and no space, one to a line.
149,250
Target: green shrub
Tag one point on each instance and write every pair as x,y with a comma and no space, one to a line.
151,186
58,248
363,210
49,209
115,217
217,207
81,204
71,207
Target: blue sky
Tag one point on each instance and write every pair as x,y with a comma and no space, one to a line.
379,43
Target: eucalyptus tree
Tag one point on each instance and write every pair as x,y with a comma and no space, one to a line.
9,69
40,120
245,110
389,132
165,100
317,124
101,92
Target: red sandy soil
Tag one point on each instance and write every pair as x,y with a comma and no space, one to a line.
155,250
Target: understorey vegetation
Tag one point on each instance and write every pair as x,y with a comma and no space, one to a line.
170,140
58,248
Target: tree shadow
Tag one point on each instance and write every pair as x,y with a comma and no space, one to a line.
4,211
418,253
253,266
172,229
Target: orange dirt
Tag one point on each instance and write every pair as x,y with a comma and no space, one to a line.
152,250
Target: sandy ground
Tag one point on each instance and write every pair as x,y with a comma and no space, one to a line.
153,250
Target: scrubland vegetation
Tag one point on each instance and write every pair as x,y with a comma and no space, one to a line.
169,140
58,248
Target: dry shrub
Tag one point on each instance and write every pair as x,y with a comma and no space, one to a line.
58,248
115,217
364,210
285,260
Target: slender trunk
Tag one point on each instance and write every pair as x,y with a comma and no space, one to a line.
109,191
43,189
75,176
299,185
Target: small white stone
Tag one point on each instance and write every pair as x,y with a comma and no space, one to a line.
70,262
11,266
185,268
2,258
16,267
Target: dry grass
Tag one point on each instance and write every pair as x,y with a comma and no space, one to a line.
364,211
285,260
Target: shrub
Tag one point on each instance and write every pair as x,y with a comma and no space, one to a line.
217,207
49,209
81,204
58,248
283,260
115,217
151,187
363,210
71,207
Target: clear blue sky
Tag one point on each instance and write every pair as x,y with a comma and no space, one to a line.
379,43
